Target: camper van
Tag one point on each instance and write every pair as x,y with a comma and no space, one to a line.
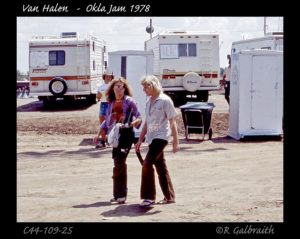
68,66
187,63
271,41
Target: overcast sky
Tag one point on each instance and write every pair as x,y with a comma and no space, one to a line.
129,33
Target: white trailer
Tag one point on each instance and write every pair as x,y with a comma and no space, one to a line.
273,41
187,63
68,66
133,65
256,93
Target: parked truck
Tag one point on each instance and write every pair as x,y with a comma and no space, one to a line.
187,63
68,66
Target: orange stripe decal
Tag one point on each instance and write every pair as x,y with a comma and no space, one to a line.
64,77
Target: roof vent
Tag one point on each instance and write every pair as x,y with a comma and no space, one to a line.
68,34
179,32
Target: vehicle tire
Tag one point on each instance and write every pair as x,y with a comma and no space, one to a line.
191,81
58,87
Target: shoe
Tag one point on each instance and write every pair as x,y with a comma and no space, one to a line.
165,201
121,200
113,200
146,203
118,200
100,145
106,142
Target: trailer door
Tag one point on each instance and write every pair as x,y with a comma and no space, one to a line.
264,92
136,67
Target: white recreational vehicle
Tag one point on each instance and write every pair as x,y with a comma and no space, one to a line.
187,63
271,41
69,66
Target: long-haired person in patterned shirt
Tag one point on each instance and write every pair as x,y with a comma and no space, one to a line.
123,112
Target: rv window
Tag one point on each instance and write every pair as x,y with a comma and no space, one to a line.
38,59
168,51
182,49
187,49
56,58
192,49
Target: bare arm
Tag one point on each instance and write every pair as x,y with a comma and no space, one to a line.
99,96
136,122
174,131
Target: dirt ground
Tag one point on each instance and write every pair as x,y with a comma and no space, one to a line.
61,177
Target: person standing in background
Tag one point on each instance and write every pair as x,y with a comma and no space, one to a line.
226,78
101,96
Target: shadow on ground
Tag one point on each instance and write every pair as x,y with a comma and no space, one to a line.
58,105
130,210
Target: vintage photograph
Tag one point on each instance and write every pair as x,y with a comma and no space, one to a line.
149,119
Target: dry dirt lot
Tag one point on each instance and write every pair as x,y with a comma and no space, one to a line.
61,177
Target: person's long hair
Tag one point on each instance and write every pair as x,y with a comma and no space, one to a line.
110,91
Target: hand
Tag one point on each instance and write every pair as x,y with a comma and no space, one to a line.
175,146
119,125
137,146
95,140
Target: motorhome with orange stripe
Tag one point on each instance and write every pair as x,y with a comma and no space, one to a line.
68,66
187,63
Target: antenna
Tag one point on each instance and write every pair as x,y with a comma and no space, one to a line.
150,29
265,26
